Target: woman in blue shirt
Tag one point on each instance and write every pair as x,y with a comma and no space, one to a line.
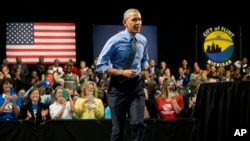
10,103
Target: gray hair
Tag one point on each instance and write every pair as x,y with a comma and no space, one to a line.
126,13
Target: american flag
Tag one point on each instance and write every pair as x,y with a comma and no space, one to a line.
31,40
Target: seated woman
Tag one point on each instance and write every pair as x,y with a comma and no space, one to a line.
169,104
10,103
89,106
63,106
34,109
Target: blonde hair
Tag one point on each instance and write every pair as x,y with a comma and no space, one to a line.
165,88
84,86
221,70
56,89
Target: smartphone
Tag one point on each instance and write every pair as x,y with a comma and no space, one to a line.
90,96
12,91
172,89
64,94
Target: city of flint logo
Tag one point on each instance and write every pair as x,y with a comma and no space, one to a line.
218,45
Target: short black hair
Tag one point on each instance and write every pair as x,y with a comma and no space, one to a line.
68,66
4,80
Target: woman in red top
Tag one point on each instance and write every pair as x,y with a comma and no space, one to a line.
170,103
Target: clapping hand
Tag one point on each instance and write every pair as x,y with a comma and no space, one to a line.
44,112
144,74
29,115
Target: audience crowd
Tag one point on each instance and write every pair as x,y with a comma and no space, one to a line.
67,91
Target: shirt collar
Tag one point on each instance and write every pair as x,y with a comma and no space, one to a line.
130,36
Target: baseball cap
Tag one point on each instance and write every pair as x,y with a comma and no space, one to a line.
45,83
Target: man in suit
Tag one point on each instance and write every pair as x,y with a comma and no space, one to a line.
19,64
154,71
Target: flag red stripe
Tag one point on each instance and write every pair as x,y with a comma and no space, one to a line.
32,63
54,30
54,37
42,43
37,56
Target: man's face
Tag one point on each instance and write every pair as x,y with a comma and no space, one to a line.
152,63
18,60
244,61
69,69
41,59
45,90
133,23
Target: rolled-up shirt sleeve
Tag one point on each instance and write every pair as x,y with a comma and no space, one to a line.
103,62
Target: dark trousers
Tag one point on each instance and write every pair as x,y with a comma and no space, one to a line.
126,96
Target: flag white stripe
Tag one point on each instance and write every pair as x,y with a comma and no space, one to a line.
55,40
54,34
54,27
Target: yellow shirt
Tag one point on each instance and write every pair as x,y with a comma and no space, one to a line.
85,112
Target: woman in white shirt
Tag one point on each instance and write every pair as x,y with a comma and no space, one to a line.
63,106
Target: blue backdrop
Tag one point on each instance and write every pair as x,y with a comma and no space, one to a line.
101,33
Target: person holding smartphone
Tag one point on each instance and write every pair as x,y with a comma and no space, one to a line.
169,104
63,107
89,106
10,103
